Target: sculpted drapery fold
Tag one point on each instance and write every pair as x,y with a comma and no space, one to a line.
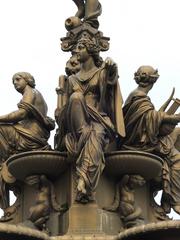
26,129
144,132
90,123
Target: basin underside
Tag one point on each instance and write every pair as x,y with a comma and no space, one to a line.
165,230
53,163
13,232
133,162
50,163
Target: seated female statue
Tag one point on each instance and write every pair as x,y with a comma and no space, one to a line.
148,130
89,119
26,129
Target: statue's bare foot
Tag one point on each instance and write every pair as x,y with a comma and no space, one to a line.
81,186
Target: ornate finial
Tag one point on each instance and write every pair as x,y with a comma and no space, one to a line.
86,22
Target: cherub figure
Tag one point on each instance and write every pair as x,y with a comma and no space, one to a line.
45,201
130,214
124,201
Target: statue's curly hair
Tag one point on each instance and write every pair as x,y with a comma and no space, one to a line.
92,47
145,76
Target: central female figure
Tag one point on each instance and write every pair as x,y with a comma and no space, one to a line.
89,117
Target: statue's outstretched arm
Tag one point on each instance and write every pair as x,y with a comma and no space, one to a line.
19,114
13,117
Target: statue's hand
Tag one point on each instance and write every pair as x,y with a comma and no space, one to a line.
111,71
109,63
110,66
177,116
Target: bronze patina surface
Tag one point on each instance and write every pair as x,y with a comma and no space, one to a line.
109,159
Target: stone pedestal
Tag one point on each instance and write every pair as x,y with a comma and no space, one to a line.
90,218
88,221
85,219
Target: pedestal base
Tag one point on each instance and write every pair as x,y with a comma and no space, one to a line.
89,219
86,237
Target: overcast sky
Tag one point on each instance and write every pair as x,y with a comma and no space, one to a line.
142,32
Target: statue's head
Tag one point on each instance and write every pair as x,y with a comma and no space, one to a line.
136,181
91,45
29,79
145,76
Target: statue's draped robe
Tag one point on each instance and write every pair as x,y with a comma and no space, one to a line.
88,122
29,134
143,124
